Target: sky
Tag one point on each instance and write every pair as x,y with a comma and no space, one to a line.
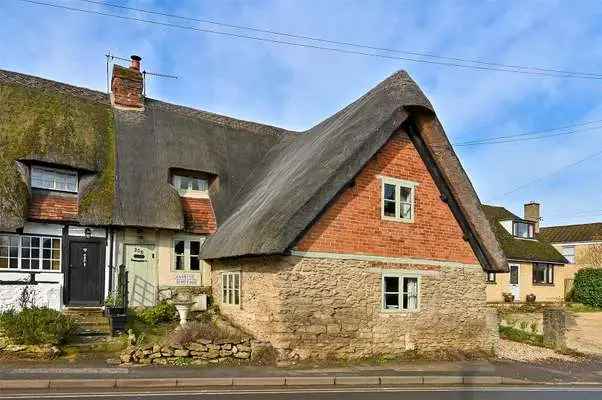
295,87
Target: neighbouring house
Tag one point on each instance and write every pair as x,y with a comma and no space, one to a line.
360,236
536,267
580,244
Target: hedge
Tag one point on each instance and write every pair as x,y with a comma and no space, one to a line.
587,288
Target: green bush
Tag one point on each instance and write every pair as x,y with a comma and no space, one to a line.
587,288
517,335
37,325
162,312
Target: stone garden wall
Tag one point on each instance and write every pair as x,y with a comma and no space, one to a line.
199,352
319,308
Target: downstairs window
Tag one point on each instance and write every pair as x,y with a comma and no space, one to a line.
543,273
231,288
400,292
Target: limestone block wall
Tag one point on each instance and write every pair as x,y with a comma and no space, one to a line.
318,307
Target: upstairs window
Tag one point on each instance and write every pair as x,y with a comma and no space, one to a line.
522,229
190,186
54,179
398,199
490,277
186,254
543,274
569,253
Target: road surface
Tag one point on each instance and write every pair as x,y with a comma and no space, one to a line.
422,393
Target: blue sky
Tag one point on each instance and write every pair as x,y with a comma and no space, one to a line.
296,88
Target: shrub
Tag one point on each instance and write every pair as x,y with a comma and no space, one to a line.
196,330
587,288
37,325
518,335
534,327
162,312
523,325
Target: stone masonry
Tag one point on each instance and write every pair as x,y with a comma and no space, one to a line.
321,308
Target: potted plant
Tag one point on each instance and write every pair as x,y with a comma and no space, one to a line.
508,297
531,298
116,311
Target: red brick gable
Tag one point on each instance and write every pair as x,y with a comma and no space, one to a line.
53,207
198,215
352,223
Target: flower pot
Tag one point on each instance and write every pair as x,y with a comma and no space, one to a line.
531,298
508,297
114,311
118,323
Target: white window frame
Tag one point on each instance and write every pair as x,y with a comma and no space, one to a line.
54,171
40,258
398,183
401,276
530,229
227,292
489,276
570,257
186,239
201,194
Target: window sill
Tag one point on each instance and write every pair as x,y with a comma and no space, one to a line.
402,220
543,284
28,271
398,311
194,195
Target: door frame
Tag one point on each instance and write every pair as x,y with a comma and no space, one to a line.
512,287
102,249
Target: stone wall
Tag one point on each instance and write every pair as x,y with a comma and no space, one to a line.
318,308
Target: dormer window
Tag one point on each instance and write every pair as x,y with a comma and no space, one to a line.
53,179
522,229
191,186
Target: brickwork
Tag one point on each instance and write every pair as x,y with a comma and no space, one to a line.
53,207
353,223
126,86
198,215
316,308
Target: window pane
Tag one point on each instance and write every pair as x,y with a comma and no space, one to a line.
35,264
35,242
237,281
14,240
410,297
236,297
195,248
406,211
405,194
25,264
46,254
56,264
56,244
539,273
195,183
14,263
389,210
3,251
35,253
3,263
4,241
391,284
391,301
25,252
45,264
194,263
46,243
389,191
25,241
179,262
179,247
14,252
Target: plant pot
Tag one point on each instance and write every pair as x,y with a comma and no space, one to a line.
508,298
109,311
118,323
531,298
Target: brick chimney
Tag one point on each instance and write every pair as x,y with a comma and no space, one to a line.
532,214
127,85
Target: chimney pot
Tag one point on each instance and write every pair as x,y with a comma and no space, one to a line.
135,64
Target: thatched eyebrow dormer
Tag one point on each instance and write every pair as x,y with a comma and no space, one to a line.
53,123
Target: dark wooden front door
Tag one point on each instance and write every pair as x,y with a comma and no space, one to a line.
85,273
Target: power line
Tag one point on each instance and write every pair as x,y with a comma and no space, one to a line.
341,43
580,161
560,128
310,46
524,139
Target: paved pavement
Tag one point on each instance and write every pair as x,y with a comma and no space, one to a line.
425,393
584,332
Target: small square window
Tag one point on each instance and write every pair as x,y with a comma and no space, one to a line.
186,253
190,186
490,278
398,199
400,292
569,253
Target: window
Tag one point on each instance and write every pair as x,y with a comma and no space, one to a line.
186,254
522,230
30,253
53,179
398,199
490,277
543,273
191,186
569,253
400,292
231,288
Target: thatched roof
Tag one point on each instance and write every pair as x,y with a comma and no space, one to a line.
573,233
271,183
516,249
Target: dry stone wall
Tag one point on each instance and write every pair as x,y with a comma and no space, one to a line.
319,308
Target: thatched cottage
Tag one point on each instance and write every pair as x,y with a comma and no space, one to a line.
362,235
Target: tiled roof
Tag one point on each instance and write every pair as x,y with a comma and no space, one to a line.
573,233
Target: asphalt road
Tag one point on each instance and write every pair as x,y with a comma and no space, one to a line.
432,393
